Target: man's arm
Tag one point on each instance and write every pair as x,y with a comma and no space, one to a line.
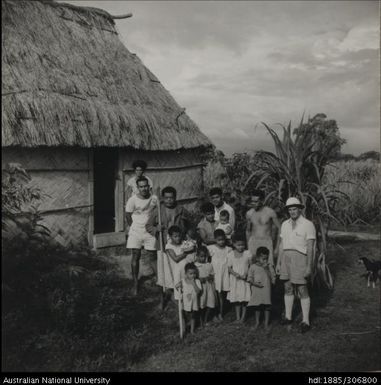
130,207
277,224
187,218
280,257
232,219
248,227
152,223
129,219
310,256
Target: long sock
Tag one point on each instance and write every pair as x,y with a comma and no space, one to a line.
288,303
305,302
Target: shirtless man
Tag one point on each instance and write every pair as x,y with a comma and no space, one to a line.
260,222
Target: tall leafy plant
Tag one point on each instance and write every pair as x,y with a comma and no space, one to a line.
297,168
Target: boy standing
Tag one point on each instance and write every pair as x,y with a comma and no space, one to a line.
208,224
138,209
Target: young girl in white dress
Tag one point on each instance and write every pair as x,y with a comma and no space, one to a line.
190,290
175,258
261,277
219,259
238,265
208,297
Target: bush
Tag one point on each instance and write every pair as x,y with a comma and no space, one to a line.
360,181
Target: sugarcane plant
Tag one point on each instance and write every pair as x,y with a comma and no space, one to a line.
297,169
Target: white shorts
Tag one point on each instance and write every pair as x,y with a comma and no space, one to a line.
138,238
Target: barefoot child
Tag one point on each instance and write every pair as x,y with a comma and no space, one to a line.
225,225
261,277
238,265
206,276
219,254
190,289
174,261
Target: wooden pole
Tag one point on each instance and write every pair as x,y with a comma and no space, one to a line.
160,237
126,16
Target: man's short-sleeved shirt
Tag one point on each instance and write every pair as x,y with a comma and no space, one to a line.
132,184
207,228
140,210
296,238
229,209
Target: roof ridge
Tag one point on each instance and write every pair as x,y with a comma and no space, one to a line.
98,11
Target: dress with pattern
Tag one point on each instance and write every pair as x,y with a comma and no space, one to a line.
208,295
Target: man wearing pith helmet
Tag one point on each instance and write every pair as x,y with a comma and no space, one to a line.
298,236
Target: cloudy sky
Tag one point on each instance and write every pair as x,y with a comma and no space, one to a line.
233,64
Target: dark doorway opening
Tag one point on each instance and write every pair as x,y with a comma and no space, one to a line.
105,171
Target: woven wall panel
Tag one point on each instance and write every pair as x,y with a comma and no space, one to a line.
63,189
46,158
187,182
160,159
68,227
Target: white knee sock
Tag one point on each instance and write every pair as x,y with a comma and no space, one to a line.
288,303
305,302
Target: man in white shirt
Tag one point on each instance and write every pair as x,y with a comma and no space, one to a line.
138,209
139,167
219,205
298,236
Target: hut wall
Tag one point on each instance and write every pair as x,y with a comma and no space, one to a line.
62,175
180,169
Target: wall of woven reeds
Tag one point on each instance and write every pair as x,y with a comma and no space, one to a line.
180,169
62,176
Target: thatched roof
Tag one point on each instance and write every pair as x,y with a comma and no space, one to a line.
67,80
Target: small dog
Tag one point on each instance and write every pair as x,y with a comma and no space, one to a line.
372,269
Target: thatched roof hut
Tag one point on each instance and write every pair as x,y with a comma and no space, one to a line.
77,105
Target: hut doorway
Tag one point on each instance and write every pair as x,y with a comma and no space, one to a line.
105,174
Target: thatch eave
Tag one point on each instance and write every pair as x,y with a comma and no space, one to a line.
67,80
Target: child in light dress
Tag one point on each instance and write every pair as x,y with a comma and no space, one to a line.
190,290
238,265
225,225
261,277
206,276
175,259
219,259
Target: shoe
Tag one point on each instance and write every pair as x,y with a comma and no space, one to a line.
304,327
286,321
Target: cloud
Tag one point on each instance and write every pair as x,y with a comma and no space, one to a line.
234,64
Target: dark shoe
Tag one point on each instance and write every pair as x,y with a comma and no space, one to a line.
285,321
304,328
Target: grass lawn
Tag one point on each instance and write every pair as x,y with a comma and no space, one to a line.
148,339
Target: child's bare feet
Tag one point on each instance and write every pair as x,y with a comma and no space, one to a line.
220,318
255,327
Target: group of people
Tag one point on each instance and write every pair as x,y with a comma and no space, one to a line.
206,264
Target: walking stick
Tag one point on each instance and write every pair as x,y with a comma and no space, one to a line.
160,238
